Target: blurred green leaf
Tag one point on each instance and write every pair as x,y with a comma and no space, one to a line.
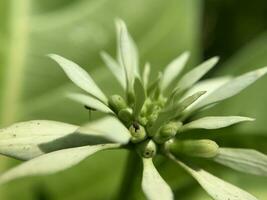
32,86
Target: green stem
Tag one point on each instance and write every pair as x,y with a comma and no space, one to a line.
132,168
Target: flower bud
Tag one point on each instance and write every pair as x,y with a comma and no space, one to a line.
147,149
138,133
117,103
199,148
167,132
126,115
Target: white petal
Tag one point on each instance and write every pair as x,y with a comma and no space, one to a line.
244,160
53,162
146,74
109,128
128,54
214,122
197,73
115,68
22,140
80,77
154,187
173,70
217,188
90,102
231,88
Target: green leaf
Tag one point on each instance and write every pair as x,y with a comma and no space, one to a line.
53,162
214,122
22,140
173,70
145,75
80,77
89,101
231,88
115,68
215,187
197,73
140,96
154,187
109,128
244,160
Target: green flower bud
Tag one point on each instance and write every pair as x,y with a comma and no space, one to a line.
117,103
167,132
142,121
147,149
126,115
199,148
138,133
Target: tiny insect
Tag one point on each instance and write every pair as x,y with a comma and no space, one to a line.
90,110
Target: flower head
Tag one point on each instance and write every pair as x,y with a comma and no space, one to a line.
149,120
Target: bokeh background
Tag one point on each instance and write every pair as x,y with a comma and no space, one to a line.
33,87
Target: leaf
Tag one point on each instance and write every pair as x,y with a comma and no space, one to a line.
22,140
244,160
80,77
146,74
53,162
173,70
154,187
214,122
140,96
89,101
109,128
115,68
215,187
196,74
231,88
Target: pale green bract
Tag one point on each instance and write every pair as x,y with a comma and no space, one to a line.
155,188
90,102
173,70
80,77
53,162
214,122
22,140
244,160
147,120
195,74
215,187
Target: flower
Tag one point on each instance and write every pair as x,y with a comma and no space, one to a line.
149,121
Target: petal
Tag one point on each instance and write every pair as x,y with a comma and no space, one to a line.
231,88
244,160
217,188
22,140
53,162
127,53
108,128
197,73
214,122
80,77
173,70
90,102
115,68
154,187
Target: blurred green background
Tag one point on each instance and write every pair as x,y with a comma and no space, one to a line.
33,87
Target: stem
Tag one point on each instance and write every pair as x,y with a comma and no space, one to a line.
130,176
